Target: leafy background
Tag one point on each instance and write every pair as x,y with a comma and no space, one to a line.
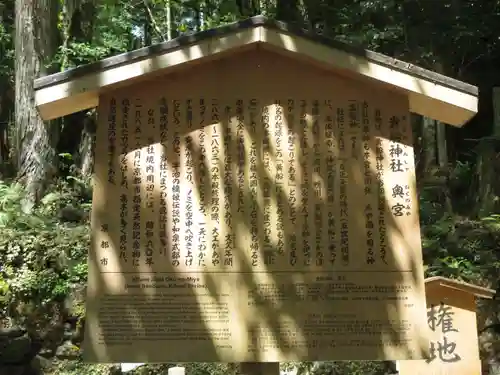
43,249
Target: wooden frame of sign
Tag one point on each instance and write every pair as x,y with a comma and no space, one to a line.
451,317
254,198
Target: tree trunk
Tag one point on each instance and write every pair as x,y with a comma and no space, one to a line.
429,146
418,145
169,20
248,8
77,135
442,156
86,149
442,147
486,163
288,11
5,115
35,46
6,89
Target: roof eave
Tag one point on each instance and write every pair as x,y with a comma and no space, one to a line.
62,97
430,94
477,291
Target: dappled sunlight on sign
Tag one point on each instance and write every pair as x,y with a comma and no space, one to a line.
252,216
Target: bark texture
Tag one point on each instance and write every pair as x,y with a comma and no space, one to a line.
86,147
35,46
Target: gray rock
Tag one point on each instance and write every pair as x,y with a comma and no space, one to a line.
46,353
73,299
12,332
127,367
68,332
67,351
39,363
12,370
115,370
78,333
15,350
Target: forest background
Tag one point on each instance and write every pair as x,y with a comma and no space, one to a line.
45,168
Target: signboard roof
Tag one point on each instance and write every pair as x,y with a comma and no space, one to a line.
444,282
451,318
430,94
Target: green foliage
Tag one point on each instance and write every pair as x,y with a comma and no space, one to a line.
334,367
78,367
82,53
458,246
42,257
6,54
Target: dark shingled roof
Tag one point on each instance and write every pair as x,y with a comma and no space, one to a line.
256,21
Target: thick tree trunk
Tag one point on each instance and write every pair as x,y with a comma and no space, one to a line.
35,46
77,135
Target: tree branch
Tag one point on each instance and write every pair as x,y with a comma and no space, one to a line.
495,327
153,21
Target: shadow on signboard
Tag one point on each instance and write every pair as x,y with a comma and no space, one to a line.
228,80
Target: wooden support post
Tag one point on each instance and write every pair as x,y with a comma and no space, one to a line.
260,368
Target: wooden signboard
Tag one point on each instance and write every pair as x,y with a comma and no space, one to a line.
451,318
254,209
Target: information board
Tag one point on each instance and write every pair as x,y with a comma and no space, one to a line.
254,208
